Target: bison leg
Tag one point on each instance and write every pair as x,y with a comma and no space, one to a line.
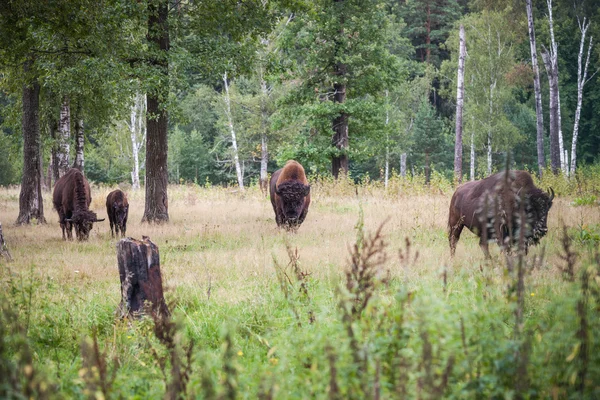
455,227
69,227
62,226
483,243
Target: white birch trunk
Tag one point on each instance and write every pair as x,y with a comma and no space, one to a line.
537,89
387,140
554,62
64,137
489,135
460,89
138,137
264,153
236,158
581,81
472,159
80,141
403,165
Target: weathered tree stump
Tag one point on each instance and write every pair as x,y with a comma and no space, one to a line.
141,281
3,247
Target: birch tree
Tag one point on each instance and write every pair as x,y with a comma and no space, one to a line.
460,89
234,144
537,90
64,137
79,141
581,81
550,59
137,133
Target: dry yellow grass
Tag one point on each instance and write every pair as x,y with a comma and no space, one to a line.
227,240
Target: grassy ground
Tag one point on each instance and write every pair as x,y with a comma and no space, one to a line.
218,256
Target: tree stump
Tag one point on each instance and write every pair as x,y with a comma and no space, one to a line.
141,281
3,248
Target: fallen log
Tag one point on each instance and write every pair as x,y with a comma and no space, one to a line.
141,281
3,247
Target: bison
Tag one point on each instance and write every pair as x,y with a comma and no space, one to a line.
290,195
71,199
117,209
492,208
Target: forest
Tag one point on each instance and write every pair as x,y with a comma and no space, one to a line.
245,87
178,113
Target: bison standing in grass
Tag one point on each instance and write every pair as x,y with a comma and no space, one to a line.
117,209
494,208
71,199
290,195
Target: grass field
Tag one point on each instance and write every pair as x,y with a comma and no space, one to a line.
433,327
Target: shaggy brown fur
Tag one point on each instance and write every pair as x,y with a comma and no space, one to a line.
290,195
71,199
490,208
117,209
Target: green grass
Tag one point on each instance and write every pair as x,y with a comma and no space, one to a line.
433,326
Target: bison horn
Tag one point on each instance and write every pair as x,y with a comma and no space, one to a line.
68,220
551,192
277,192
99,220
306,190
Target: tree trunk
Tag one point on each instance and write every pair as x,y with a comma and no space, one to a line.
141,281
157,178
472,159
4,252
64,137
581,81
339,162
138,137
31,205
489,135
554,62
538,91
427,168
489,153
264,154
553,84
460,89
403,165
79,143
234,146
387,140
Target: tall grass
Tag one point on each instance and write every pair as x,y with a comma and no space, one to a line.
338,310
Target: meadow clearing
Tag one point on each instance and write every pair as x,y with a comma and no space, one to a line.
271,323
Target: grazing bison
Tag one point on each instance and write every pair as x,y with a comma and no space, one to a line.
117,208
71,199
491,208
290,195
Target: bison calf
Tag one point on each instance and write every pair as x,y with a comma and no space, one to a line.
71,199
290,195
117,209
501,207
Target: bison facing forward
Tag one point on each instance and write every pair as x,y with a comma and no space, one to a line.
290,195
117,209
491,208
71,199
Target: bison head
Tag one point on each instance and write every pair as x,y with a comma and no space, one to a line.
540,204
83,222
120,211
292,194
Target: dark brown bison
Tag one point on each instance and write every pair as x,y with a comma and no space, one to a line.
71,199
117,209
290,195
491,208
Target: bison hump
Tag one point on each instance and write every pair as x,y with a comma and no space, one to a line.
292,171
